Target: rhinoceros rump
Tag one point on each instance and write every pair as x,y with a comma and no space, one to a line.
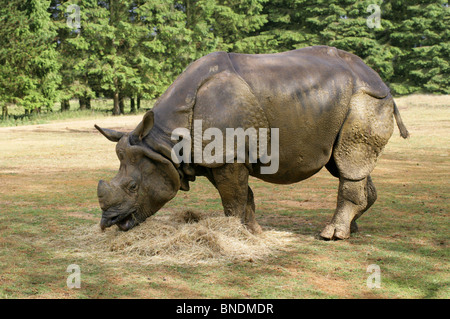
330,108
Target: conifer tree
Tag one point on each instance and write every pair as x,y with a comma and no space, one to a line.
421,37
223,25
348,29
28,59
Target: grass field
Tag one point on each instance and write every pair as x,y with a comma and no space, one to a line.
48,179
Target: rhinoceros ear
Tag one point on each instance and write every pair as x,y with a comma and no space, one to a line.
111,135
145,126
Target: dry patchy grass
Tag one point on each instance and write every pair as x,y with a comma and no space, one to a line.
49,219
180,238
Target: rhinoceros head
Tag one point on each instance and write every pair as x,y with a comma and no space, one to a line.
145,182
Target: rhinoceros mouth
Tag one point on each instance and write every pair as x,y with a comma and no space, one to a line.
123,221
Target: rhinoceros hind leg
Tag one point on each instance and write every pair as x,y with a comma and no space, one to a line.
364,134
371,198
354,198
362,138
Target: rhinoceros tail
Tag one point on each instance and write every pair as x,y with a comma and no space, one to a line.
403,131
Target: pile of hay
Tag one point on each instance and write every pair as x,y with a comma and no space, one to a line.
187,237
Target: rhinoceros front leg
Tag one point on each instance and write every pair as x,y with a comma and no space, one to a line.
354,198
249,215
231,180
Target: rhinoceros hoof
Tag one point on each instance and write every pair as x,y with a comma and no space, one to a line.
254,228
332,231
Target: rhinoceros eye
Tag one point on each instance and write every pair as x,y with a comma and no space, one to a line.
132,186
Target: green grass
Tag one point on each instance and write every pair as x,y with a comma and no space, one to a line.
412,258
405,232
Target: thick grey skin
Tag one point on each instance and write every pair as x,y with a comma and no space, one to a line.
331,109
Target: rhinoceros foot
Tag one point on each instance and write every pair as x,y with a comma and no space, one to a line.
335,231
254,228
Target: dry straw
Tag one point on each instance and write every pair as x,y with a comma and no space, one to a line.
186,237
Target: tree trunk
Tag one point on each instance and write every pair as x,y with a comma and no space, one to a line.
4,111
138,102
121,104
88,103
65,105
116,109
82,101
188,14
132,105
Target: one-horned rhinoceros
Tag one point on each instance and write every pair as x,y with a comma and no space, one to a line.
330,110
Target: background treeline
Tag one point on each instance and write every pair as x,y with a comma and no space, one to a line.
133,50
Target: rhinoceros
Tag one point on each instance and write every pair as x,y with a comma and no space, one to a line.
329,107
